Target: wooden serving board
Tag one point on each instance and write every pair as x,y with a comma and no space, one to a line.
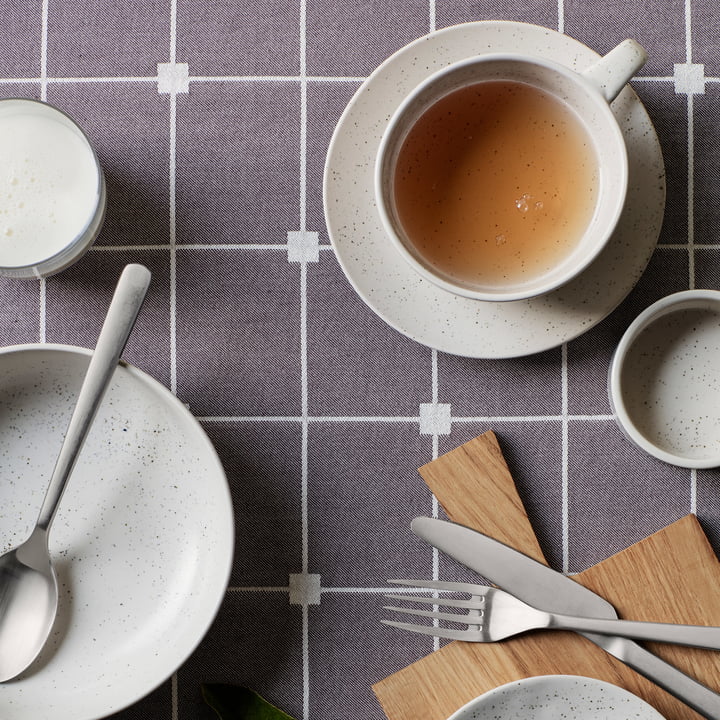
671,576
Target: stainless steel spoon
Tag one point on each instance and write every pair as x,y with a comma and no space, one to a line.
28,584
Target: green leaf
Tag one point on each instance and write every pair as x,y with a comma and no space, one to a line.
232,702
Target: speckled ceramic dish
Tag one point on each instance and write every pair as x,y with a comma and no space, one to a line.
143,538
549,697
429,314
578,94
664,379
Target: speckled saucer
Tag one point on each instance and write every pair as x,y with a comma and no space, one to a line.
550,697
436,317
142,542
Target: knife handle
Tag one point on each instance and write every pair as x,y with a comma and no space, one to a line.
701,636
694,694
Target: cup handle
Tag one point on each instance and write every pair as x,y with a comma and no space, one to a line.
611,72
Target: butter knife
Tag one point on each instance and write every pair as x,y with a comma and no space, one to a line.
549,590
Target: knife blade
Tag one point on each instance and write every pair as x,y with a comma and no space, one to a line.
549,590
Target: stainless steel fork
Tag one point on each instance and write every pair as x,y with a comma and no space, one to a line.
492,614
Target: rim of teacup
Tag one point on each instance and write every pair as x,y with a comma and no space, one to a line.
676,302
518,292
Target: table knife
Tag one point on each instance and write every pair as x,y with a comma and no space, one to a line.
549,590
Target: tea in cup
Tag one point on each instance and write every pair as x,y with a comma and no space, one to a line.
52,190
503,176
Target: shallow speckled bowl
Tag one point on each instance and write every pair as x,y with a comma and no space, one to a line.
664,379
142,542
549,697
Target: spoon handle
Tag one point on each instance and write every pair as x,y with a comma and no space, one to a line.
124,308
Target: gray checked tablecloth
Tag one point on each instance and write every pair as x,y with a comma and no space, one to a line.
212,120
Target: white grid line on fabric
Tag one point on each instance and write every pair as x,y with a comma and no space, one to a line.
323,247
306,660
42,285
690,153
685,246
693,491
327,590
690,198
172,229
174,705
340,590
671,79
434,376
561,16
79,80
691,189
434,504
173,241
396,419
259,588
172,203
172,50
153,79
43,49
281,247
42,294
305,532
305,525
276,78
304,417
564,472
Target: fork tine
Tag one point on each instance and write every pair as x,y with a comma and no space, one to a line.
442,585
444,602
467,635
463,619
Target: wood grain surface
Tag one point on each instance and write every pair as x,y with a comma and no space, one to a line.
671,576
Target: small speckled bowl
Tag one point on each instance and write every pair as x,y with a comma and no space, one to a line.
664,379
549,697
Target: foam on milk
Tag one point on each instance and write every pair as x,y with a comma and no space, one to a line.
49,186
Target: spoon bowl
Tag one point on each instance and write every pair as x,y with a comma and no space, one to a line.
28,584
28,603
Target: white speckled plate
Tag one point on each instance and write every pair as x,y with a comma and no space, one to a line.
142,542
433,316
549,697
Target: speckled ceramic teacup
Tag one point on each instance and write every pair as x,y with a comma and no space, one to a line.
664,379
587,95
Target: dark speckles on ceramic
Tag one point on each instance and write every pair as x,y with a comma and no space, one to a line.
143,538
431,315
665,379
551,697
